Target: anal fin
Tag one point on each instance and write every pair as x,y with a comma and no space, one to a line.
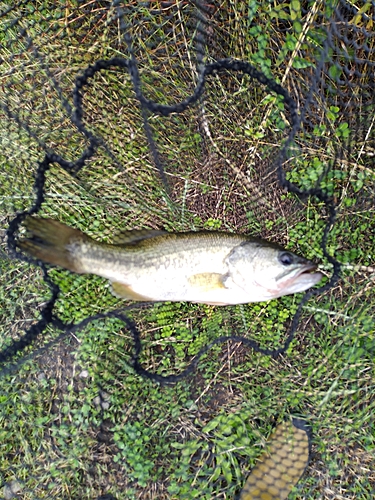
123,291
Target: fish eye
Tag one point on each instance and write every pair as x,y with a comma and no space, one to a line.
286,258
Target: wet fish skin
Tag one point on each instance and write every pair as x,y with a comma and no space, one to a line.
207,267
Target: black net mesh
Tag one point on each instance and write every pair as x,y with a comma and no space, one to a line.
245,117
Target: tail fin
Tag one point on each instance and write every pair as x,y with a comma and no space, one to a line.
50,241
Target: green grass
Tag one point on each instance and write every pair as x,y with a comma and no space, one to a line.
76,422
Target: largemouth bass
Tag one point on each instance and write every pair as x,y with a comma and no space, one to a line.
205,267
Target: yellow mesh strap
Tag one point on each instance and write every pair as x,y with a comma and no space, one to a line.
281,465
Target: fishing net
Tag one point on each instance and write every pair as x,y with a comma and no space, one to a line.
247,117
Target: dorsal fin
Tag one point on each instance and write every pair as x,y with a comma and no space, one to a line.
135,235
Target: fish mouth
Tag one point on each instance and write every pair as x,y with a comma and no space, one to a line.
306,274
296,271
307,269
303,274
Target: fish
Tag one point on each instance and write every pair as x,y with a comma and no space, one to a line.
208,267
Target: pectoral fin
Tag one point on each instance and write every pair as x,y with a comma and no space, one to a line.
207,282
123,291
